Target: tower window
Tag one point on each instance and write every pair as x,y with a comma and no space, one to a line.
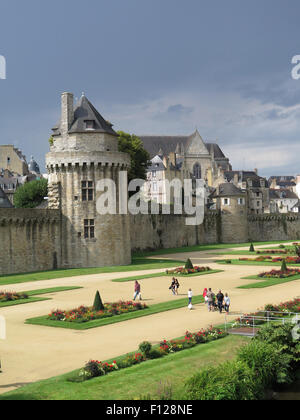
90,125
89,228
87,190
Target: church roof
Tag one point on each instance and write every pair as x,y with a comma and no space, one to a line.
85,111
4,201
171,144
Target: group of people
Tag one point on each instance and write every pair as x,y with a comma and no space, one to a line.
218,301
174,286
214,302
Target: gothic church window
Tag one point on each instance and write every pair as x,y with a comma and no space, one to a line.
197,171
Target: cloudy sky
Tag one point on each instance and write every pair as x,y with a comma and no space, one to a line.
158,67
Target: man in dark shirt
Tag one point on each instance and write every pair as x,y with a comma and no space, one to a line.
220,299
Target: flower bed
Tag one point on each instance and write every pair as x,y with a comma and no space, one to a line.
270,310
95,368
187,271
12,296
86,314
268,258
272,251
279,273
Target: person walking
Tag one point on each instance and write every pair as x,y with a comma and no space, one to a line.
177,285
190,296
172,287
137,290
210,300
220,300
227,303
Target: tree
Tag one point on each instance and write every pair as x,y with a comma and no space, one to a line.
251,248
189,265
283,265
131,144
98,305
32,194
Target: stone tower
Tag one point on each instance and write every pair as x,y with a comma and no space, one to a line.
84,150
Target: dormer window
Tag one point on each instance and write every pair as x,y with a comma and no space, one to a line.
89,125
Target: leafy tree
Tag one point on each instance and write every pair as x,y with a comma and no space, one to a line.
98,305
251,248
30,195
131,144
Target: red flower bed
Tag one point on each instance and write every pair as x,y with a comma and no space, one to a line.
94,368
292,306
12,296
187,271
268,258
85,314
279,273
272,251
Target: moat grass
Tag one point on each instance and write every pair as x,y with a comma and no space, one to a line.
163,274
136,381
153,309
263,283
210,247
32,293
138,263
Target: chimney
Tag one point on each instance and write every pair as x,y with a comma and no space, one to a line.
67,112
256,170
236,179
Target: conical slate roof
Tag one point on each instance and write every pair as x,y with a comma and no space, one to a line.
85,111
4,201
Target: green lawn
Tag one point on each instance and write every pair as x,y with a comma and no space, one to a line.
36,293
163,274
138,263
266,282
153,309
210,247
251,254
238,262
136,381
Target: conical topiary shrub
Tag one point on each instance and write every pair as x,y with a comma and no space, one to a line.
189,265
283,265
98,305
251,248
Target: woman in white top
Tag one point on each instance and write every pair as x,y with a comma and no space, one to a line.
190,296
227,303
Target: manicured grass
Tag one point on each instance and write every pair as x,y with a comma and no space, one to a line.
238,262
22,301
36,293
210,247
266,282
154,309
251,254
137,264
150,276
136,381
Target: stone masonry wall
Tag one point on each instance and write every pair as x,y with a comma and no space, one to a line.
149,232
29,240
273,227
